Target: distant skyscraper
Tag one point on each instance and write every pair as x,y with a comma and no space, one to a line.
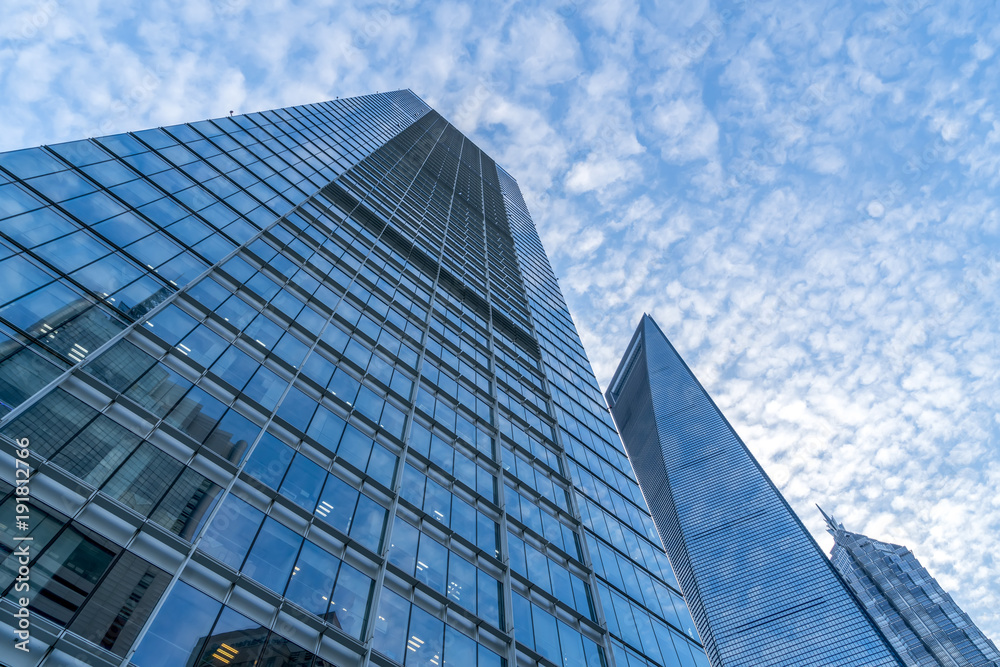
761,592
921,620
299,388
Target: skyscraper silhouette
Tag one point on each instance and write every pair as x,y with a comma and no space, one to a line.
760,590
921,620
299,388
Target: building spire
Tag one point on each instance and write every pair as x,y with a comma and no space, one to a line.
832,526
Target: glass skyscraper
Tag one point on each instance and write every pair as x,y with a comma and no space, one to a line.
921,620
299,388
761,592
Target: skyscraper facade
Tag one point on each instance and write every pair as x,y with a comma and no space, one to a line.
761,592
921,620
299,388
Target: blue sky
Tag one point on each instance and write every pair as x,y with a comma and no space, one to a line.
803,197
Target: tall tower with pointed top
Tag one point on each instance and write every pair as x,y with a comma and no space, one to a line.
921,620
760,590
299,389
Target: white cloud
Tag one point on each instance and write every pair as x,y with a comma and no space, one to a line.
803,196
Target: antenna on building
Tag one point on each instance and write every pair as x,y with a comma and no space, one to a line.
832,526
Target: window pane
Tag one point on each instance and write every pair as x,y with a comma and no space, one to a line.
232,437
274,551
120,366
144,478
303,482
462,582
281,652
186,506
235,639
522,620
546,639
97,451
425,640
349,605
403,548
391,626
489,600
65,575
232,530
196,414
369,523
269,460
337,503
178,630
432,562
312,579
459,650
158,390
115,614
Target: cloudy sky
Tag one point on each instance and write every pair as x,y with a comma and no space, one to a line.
803,197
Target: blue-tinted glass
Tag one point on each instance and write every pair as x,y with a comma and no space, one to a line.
235,367
297,408
179,630
571,644
233,630
93,208
19,276
14,200
232,437
312,579
124,229
197,414
355,447
432,563
403,548
391,625
73,251
326,428
203,346
209,293
522,620
30,162
459,650
349,604
303,482
426,639
269,460
546,635
106,276
109,173
369,523
37,227
229,535
272,555
337,502
143,479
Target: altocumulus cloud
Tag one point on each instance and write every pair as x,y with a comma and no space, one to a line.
804,198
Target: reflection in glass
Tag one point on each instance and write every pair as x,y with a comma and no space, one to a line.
349,605
178,630
232,530
66,573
